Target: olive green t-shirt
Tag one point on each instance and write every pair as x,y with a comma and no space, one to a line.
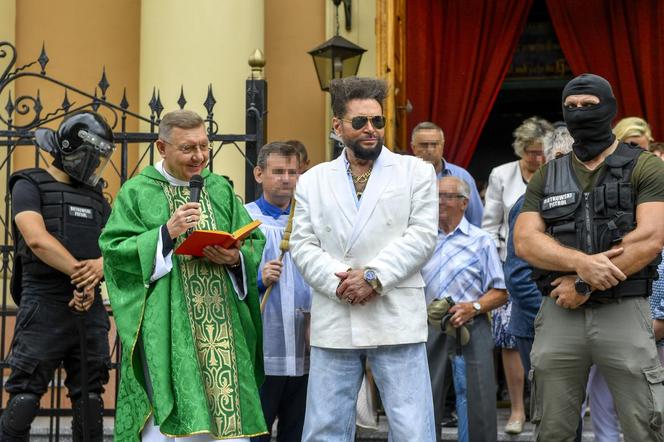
647,181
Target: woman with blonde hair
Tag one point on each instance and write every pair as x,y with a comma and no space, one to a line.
634,130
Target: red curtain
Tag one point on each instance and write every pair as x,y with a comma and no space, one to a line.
458,52
623,41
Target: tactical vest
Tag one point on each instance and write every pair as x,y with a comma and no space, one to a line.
594,221
73,215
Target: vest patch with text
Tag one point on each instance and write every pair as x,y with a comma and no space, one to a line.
559,200
81,212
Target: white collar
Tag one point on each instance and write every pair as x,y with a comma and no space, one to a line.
171,179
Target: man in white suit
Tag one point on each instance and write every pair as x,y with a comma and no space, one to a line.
364,225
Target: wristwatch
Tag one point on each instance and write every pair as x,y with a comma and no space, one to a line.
372,279
477,307
582,287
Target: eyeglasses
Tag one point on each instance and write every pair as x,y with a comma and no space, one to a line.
534,153
450,196
357,123
190,148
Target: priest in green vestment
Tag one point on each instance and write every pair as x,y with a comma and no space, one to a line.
190,327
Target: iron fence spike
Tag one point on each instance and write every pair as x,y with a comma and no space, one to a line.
38,106
65,102
153,101
182,101
124,104
158,106
10,105
209,101
103,84
95,101
43,59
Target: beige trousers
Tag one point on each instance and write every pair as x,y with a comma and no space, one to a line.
616,337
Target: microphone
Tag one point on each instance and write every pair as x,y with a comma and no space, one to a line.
195,187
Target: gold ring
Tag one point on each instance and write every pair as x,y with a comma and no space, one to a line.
188,219
349,300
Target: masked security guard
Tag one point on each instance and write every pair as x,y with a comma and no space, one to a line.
58,214
592,224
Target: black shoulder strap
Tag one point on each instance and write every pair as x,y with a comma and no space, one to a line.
620,163
556,172
36,175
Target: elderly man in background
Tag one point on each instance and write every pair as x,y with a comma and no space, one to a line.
465,267
428,142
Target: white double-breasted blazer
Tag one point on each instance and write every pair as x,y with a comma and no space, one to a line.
393,231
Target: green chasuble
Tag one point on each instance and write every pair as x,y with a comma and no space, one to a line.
203,345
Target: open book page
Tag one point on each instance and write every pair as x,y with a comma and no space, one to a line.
199,239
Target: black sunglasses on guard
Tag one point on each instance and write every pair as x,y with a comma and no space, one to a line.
357,123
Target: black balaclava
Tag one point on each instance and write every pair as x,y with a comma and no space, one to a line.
590,126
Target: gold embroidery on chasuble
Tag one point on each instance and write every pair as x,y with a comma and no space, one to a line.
208,293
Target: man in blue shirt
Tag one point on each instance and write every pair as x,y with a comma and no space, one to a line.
286,314
428,143
464,266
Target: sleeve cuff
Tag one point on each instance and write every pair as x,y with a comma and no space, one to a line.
238,278
260,285
167,243
163,261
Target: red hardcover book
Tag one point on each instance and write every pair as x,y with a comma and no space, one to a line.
199,239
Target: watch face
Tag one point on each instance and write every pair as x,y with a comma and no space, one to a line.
582,288
477,306
369,275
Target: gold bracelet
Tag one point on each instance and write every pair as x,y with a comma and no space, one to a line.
234,266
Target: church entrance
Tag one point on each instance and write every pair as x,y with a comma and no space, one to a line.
533,87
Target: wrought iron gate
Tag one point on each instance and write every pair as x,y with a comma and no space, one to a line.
19,118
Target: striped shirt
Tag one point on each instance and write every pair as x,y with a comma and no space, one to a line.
465,265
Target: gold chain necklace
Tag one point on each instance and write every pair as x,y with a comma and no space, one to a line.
361,179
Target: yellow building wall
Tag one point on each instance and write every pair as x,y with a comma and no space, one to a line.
7,21
296,103
194,44
81,38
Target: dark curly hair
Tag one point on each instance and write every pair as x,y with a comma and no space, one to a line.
343,90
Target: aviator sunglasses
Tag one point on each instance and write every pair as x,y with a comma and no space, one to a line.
357,123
